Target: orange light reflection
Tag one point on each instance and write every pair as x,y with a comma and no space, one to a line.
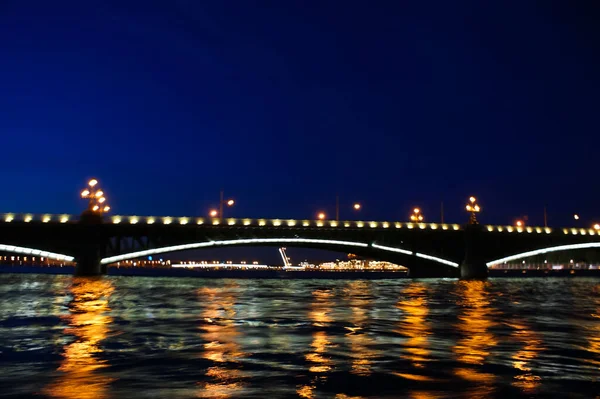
592,329
89,324
414,326
360,342
532,341
221,348
320,363
474,325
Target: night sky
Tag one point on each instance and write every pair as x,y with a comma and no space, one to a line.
283,104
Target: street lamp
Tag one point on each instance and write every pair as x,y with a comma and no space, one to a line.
96,197
597,226
576,216
356,206
416,216
321,215
519,223
222,202
474,208
213,213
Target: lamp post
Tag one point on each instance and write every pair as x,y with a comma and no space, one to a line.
356,206
97,201
416,216
474,208
222,202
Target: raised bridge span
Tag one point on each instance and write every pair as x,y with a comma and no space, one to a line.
427,249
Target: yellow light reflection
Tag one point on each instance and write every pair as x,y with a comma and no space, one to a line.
306,391
89,322
319,362
474,347
319,316
414,326
591,328
532,346
424,395
221,347
360,343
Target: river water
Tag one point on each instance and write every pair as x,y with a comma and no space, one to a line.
65,337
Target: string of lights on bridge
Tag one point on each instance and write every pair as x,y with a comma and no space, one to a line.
244,222
97,204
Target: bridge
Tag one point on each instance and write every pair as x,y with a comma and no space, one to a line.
95,241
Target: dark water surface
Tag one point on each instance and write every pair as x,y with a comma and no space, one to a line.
65,337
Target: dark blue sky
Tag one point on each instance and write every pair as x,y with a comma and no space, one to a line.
285,103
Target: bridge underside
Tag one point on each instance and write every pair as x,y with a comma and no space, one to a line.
418,267
426,253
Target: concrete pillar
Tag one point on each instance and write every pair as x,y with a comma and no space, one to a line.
90,246
88,263
474,265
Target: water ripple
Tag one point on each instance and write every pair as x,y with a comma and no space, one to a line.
65,337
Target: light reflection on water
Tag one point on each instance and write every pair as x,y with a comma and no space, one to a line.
169,337
361,343
88,322
220,333
319,361
414,325
522,360
473,349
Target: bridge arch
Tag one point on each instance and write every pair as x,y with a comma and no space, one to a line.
35,252
222,243
266,241
417,254
542,251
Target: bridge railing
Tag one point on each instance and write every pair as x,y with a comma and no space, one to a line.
541,230
44,218
240,222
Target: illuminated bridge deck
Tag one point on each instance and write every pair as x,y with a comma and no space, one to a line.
347,224
430,249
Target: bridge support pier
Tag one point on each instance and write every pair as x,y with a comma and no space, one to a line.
473,266
90,246
88,264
